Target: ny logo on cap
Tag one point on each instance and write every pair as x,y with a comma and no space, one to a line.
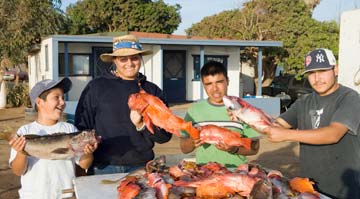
320,58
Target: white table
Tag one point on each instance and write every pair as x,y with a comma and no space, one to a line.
90,187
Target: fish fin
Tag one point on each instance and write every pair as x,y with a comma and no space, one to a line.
60,151
246,143
148,123
175,132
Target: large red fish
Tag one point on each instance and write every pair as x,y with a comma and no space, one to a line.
247,113
128,188
154,111
231,182
213,134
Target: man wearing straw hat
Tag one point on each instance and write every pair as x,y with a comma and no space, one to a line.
126,143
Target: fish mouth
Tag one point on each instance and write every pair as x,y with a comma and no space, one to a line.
228,103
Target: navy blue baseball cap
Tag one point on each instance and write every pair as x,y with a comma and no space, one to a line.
48,84
319,59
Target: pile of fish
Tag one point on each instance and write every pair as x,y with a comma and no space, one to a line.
58,145
187,180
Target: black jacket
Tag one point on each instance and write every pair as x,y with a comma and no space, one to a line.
103,106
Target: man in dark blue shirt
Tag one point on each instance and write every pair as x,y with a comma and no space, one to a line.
103,106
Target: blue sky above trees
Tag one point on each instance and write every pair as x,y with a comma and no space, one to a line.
193,11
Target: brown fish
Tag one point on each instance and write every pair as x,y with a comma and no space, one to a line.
58,145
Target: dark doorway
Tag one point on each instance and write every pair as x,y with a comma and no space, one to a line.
99,65
174,75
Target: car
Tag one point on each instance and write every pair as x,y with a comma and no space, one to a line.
288,88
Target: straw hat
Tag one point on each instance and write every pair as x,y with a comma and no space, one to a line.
126,45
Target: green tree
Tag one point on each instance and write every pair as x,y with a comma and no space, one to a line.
90,16
24,22
288,21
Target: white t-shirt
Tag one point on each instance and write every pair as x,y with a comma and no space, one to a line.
45,179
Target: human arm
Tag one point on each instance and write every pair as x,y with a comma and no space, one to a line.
326,135
19,163
188,145
87,158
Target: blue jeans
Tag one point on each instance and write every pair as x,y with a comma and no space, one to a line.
109,169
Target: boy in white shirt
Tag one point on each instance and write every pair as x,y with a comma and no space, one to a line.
43,178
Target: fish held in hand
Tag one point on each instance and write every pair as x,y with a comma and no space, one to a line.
213,134
247,113
58,145
154,111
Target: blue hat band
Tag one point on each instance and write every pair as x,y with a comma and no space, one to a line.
126,44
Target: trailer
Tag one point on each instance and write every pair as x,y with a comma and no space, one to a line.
349,49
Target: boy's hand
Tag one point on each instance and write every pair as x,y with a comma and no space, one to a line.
231,115
18,143
198,142
90,148
224,147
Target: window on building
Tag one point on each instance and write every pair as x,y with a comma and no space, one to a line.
79,64
220,58
46,58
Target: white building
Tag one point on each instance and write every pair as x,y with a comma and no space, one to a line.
349,49
174,65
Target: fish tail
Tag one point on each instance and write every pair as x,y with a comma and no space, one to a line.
246,143
193,132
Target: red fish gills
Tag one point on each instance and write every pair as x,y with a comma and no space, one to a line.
213,134
154,111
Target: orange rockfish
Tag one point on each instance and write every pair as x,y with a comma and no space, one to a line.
303,185
222,185
213,134
154,111
128,188
247,113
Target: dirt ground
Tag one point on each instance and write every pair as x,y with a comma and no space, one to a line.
279,156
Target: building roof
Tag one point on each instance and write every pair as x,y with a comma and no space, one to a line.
167,39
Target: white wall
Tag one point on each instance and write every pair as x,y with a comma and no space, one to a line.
193,87
37,64
152,65
349,49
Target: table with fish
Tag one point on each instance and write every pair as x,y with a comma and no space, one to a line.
92,187
190,180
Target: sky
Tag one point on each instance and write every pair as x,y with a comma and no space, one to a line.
193,11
